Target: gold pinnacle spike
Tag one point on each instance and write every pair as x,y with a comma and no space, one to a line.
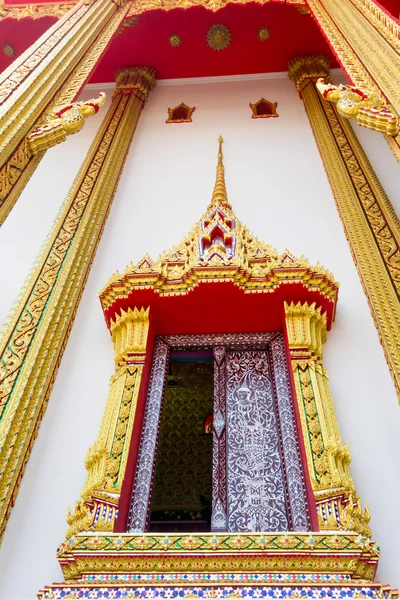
220,197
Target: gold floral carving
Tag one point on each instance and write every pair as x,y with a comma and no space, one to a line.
305,69
328,459
63,121
17,171
35,11
8,50
218,37
175,40
14,175
263,34
96,553
129,332
38,326
362,104
369,220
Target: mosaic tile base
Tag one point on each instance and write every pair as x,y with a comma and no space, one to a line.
327,592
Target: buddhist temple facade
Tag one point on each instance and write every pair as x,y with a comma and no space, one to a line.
200,355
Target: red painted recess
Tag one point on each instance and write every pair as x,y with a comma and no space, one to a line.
146,43
219,307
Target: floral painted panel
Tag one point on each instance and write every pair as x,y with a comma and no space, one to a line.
255,476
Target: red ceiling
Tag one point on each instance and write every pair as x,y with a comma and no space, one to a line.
146,43
21,35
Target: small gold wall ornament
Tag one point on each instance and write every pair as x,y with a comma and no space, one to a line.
263,34
362,104
180,114
175,40
264,109
129,22
218,37
8,50
61,122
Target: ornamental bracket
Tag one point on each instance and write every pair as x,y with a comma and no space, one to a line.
362,104
61,122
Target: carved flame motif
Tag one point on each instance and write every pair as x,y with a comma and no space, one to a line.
219,248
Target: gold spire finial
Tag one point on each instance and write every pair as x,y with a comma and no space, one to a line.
220,197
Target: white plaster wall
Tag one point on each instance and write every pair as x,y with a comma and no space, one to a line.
277,185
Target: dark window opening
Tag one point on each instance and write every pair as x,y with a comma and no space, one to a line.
180,114
182,492
264,109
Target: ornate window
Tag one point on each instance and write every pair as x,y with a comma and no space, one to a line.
259,319
180,114
264,109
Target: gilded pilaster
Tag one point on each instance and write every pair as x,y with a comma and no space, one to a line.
106,461
49,74
369,220
328,458
38,327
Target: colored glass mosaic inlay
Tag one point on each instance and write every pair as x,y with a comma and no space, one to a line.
308,591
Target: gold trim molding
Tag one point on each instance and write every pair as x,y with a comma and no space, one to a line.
370,223
91,554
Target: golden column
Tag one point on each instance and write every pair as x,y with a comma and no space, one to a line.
369,220
328,459
366,41
49,74
106,461
38,327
